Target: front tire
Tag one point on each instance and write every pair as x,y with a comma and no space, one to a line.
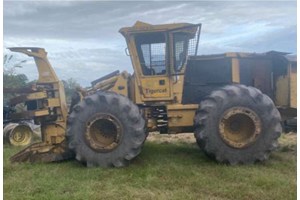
237,125
106,129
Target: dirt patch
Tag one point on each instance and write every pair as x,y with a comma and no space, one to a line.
169,138
287,142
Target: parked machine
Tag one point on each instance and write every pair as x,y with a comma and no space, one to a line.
17,132
226,100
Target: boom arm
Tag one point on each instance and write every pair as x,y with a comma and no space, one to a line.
46,72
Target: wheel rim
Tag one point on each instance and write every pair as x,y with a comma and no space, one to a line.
21,135
103,132
239,127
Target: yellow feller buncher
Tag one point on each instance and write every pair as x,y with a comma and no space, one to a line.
225,99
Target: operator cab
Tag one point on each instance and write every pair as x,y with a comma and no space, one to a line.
158,54
151,49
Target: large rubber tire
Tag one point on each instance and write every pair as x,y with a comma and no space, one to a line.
128,119
212,110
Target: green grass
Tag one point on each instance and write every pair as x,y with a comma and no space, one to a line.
162,171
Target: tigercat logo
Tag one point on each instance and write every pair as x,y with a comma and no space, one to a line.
155,91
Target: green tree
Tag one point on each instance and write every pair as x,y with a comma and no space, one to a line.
70,86
11,79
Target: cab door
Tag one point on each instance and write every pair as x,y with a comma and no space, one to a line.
153,62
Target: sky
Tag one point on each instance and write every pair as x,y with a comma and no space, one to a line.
83,42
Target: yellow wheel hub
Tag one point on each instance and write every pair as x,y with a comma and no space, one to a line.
103,132
239,127
21,135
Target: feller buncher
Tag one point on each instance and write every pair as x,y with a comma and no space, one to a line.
226,100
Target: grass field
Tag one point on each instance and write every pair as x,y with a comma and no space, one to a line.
167,168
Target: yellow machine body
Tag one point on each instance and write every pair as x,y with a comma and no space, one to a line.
272,72
168,83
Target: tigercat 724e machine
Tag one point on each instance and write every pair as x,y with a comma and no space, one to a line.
226,100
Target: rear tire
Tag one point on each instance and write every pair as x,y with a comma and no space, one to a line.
237,125
106,129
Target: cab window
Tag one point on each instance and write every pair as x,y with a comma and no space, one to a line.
151,50
180,46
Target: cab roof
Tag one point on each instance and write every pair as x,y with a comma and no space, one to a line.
145,27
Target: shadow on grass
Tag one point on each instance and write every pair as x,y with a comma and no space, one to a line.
171,153
166,153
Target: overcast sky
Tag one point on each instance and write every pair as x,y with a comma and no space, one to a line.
83,41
